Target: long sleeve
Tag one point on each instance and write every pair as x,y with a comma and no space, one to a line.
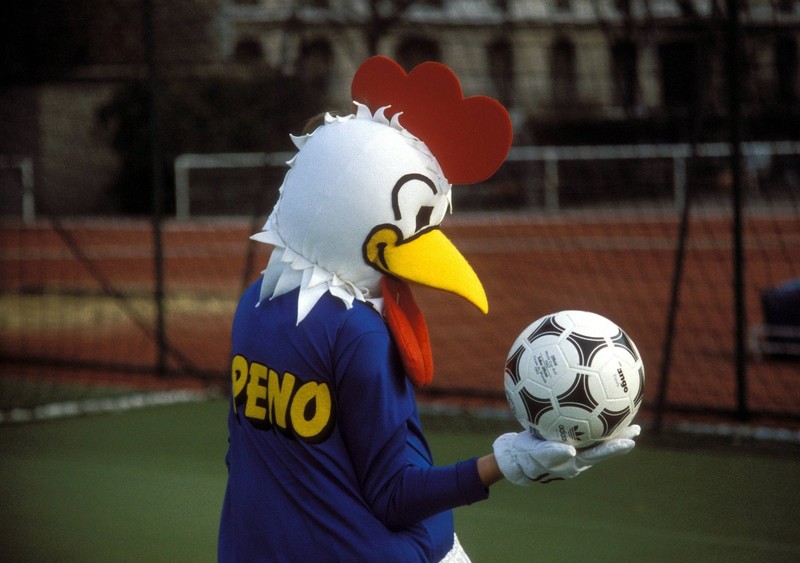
380,427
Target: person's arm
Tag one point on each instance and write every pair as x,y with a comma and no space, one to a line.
489,471
375,404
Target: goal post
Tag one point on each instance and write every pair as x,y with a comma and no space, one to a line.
26,204
185,163
756,154
551,181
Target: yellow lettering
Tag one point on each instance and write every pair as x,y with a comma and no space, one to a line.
311,410
256,390
280,394
273,400
238,378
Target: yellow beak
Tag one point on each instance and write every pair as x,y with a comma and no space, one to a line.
428,259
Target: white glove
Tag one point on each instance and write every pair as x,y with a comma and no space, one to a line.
524,459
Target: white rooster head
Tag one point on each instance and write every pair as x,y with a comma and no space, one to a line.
365,194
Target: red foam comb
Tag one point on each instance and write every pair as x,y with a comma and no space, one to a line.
470,137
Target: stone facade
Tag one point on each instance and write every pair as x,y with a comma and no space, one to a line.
552,62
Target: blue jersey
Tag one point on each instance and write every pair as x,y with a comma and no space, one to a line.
327,460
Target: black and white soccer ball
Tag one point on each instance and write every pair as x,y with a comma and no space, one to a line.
574,377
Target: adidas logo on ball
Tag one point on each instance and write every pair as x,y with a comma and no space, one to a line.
622,379
573,433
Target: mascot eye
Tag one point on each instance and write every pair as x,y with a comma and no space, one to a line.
424,217
412,197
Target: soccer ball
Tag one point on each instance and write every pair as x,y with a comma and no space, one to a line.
574,377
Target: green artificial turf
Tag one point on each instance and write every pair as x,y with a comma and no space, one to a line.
652,505
147,485
143,485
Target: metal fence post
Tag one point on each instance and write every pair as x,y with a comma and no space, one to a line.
679,182
551,202
734,71
156,155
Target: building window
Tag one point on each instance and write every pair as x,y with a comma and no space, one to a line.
248,51
624,58
679,74
623,7
501,68
501,5
415,50
314,65
563,5
563,73
786,69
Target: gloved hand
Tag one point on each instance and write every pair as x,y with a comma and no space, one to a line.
524,459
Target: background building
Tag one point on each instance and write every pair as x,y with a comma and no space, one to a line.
237,75
551,61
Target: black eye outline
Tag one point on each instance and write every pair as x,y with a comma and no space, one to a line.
396,195
424,217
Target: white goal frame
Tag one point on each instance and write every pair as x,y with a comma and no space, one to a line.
25,166
185,163
754,153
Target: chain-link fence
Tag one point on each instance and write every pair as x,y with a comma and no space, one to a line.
654,178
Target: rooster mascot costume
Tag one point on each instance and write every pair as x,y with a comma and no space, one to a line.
327,460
